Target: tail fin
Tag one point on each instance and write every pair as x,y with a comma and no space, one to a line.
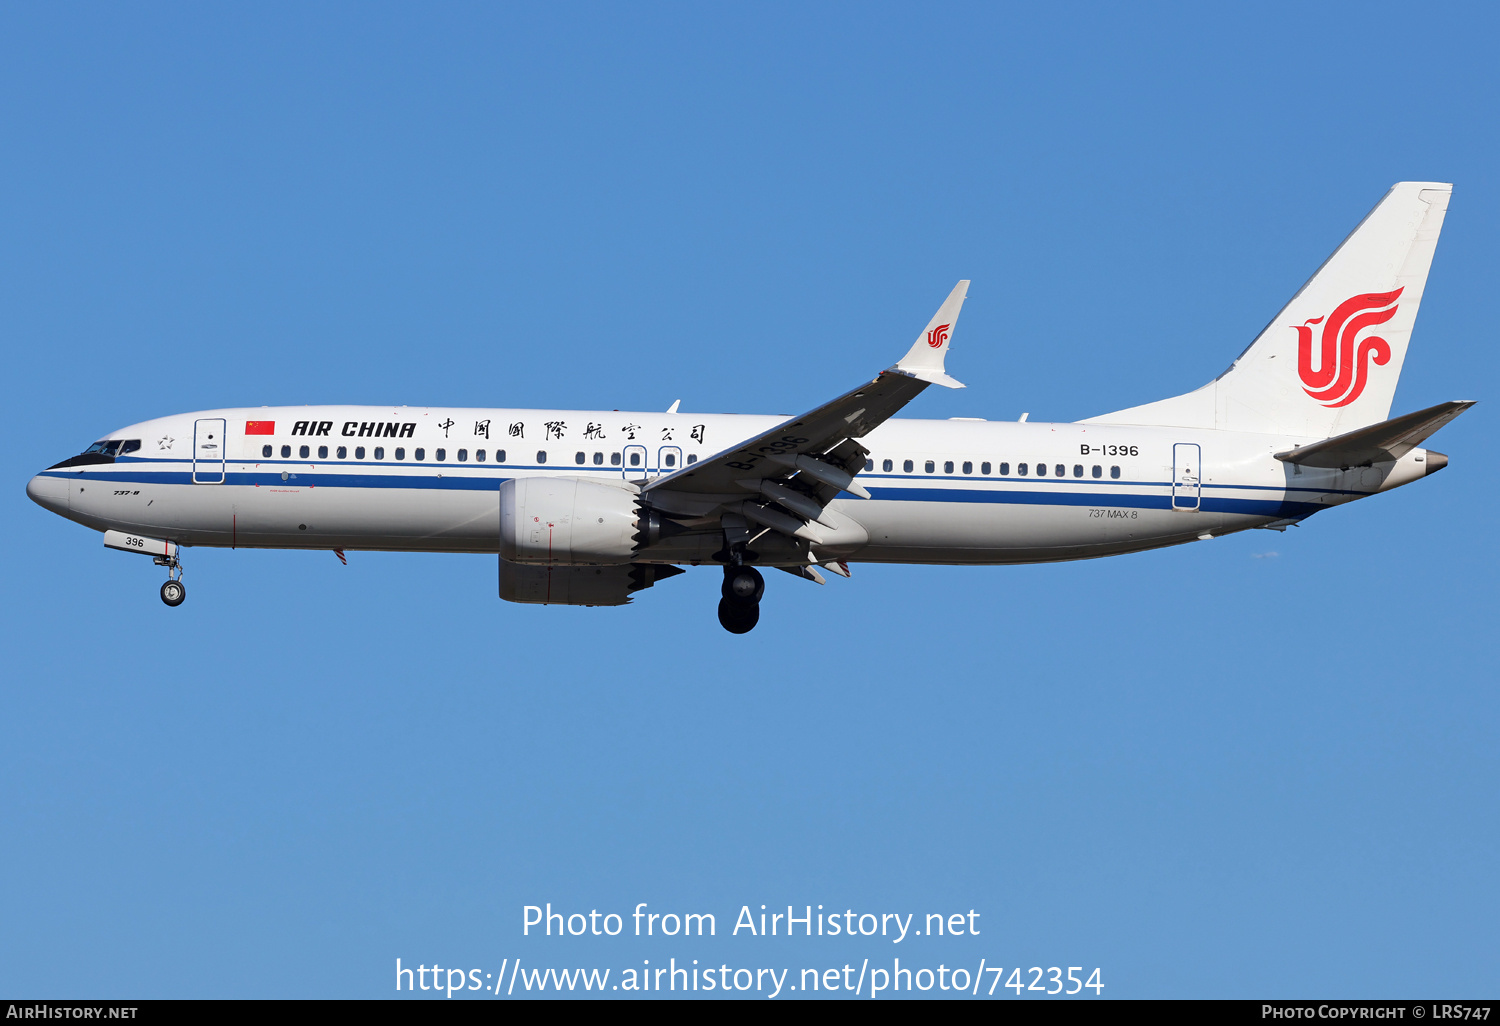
1329,361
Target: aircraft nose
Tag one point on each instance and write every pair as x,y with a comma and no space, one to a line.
49,492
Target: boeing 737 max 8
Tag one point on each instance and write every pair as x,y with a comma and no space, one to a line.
586,507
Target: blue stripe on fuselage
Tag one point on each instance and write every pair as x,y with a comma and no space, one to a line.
1116,495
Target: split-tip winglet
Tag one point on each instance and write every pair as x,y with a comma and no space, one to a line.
924,361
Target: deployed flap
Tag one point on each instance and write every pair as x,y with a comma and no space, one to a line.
1378,443
925,359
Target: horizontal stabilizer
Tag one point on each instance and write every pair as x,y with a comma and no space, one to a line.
1379,443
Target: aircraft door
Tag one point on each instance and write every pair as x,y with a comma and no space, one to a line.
668,460
634,466
1187,476
208,451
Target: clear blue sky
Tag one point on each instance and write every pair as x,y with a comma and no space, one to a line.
1264,765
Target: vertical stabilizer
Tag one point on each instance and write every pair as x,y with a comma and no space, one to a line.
1329,361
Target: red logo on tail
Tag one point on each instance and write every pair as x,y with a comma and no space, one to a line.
937,336
1339,378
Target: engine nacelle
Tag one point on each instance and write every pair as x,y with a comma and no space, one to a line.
579,585
567,521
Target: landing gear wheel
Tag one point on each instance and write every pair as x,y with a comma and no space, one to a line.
172,593
739,617
743,584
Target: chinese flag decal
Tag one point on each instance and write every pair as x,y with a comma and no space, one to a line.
260,427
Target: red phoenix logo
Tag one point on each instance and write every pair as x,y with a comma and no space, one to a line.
1339,377
937,336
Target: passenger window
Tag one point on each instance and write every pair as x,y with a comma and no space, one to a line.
887,466
968,467
1060,470
671,459
869,465
692,458
929,466
598,459
342,452
265,451
906,466
1041,470
286,452
947,466
614,459
322,452
1098,470
441,454
303,452
130,446
1114,472
1005,470
419,454
380,452
478,455
541,455
463,455
984,468
359,452
1078,470
499,455
580,458
635,459
400,453
1021,469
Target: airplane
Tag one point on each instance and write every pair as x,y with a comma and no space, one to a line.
590,507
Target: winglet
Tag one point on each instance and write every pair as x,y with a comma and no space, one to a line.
925,359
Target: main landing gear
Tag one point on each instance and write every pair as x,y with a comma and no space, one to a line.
173,592
739,609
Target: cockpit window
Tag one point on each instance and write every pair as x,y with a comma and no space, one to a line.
108,447
130,446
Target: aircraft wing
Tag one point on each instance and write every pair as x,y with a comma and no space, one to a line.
784,477
1378,443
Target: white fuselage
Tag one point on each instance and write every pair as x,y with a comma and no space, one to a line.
401,478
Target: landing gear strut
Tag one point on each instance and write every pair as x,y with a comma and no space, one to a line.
173,592
739,609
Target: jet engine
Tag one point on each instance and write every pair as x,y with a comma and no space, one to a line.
579,585
567,521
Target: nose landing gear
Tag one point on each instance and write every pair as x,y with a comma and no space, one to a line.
172,593
739,609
